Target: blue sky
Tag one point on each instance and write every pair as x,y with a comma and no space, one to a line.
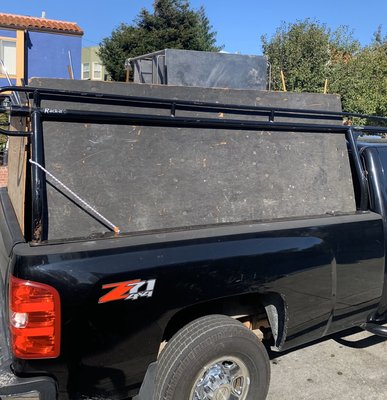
239,24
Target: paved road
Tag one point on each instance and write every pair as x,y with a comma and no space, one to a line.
352,366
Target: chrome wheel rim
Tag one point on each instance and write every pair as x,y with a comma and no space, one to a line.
225,378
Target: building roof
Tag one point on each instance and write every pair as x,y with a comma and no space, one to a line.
39,24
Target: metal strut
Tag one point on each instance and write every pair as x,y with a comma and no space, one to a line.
38,186
363,182
82,202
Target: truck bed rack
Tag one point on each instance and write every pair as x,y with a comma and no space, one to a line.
179,114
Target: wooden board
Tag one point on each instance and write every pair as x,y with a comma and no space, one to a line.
17,171
144,178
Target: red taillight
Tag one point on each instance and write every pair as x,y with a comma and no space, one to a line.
34,313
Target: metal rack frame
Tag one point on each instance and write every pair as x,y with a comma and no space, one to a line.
39,114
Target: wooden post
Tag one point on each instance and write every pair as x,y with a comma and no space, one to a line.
71,76
283,81
326,86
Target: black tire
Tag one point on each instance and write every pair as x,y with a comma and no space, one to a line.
205,340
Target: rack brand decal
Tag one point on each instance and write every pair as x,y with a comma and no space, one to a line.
129,290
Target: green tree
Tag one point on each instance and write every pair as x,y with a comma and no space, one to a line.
305,51
308,53
362,79
172,24
206,38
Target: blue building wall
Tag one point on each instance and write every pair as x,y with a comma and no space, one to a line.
47,55
4,82
8,33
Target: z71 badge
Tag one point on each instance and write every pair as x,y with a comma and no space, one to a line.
129,290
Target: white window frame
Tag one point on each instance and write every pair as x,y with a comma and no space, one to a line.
93,71
10,72
83,71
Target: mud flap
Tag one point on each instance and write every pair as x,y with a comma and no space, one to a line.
148,385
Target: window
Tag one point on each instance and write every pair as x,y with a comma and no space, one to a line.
86,71
8,56
97,71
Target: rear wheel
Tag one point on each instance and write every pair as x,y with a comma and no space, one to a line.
213,358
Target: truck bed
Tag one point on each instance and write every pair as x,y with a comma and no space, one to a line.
303,259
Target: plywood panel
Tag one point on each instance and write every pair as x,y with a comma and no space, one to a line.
17,170
144,178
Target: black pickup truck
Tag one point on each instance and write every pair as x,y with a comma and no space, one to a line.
181,312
